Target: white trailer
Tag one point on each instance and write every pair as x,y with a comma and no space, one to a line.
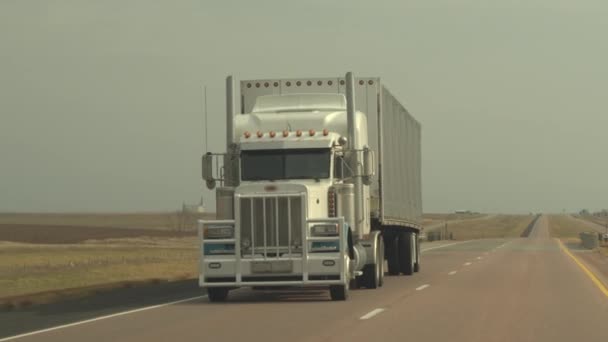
320,183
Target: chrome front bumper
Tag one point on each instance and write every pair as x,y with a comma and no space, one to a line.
259,269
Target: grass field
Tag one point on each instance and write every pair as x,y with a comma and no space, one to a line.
34,268
602,221
43,256
564,226
56,234
151,220
450,217
498,226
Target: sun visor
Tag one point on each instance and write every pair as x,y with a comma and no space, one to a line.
285,144
299,103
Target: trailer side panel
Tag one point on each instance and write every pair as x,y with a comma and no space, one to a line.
400,169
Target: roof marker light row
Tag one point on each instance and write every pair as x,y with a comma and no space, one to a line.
272,134
299,83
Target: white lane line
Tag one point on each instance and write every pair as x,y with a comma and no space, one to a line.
449,244
452,273
420,288
371,314
467,263
101,318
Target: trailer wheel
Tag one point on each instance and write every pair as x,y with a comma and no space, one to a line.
392,254
407,252
217,294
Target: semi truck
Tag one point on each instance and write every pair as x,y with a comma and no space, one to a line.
320,184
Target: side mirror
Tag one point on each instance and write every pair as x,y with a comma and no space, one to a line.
369,165
207,170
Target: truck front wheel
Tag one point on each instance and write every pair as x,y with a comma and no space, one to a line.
217,294
338,292
373,274
417,265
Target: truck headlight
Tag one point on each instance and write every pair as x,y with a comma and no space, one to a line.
325,230
324,246
219,232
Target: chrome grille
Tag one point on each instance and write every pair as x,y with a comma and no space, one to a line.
271,224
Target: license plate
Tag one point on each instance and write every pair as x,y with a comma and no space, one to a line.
278,266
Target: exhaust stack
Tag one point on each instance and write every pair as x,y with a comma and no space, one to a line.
231,165
229,112
355,162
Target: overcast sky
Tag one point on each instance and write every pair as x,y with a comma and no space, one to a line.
101,101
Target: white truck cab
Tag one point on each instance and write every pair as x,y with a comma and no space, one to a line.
294,205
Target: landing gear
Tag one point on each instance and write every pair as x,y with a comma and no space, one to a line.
217,294
392,253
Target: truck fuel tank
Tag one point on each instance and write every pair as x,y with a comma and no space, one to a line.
224,199
345,202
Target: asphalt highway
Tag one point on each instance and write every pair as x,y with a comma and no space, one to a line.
525,289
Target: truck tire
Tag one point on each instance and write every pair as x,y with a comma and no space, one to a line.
392,254
417,264
381,260
407,253
373,273
217,294
338,292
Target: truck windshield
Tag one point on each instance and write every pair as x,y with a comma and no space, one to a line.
285,164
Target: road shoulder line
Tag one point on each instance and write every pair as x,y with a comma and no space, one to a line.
585,269
36,332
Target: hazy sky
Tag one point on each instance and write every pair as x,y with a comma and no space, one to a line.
101,101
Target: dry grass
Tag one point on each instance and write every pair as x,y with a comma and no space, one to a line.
28,268
59,256
152,220
51,234
564,226
602,221
499,226
450,217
